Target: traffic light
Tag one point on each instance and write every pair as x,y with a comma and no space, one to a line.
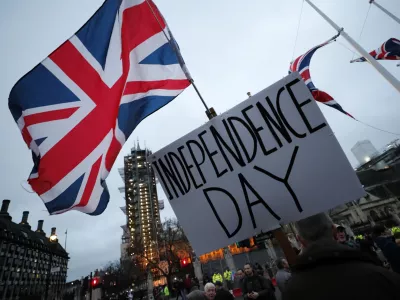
95,282
185,262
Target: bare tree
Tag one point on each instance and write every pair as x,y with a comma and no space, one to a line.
112,267
119,275
172,245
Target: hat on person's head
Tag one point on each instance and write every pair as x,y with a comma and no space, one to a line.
340,227
218,283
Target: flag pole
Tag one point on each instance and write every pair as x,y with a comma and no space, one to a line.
66,236
385,11
385,73
209,111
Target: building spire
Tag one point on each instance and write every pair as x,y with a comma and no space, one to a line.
138,146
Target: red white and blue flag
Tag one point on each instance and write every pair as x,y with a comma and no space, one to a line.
390,50
302,65
77,107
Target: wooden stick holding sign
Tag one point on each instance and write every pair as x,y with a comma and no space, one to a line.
283,241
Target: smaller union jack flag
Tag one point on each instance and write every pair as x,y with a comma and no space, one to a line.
390,50
302,65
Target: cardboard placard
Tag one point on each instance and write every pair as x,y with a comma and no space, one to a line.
270,160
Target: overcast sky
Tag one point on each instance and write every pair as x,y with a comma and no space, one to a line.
230,47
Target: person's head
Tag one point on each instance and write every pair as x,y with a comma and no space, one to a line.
378,230
194,288
218,285
282,264
248,269
315,228
209,291
239,273
340,234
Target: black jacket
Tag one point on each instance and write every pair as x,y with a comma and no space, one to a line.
391,251
327,270
259,284
223,294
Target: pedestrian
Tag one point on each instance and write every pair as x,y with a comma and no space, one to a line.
196,294
330,271
396,236
256,286
259,270
209,291
206,279
238,279
217,277
228,278
283,275
366,246
342,237
187,283
166,292
194,288
208,294
222,293
387,244
179,287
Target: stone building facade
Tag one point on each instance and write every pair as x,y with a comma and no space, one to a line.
380,177
32,266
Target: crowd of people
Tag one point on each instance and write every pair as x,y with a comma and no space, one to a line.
330,265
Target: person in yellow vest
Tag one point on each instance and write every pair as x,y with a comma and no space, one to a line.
166,292
217,277
228,278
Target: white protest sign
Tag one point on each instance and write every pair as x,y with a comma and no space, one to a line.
270,160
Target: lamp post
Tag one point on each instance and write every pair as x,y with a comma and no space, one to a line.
52,239
90,285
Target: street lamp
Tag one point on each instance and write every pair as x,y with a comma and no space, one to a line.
53,236
53,240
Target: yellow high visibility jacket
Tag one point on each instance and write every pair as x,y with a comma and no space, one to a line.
228,275
395,230
166,291
217,277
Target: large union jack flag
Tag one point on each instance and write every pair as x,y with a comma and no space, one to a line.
78,106
390,50
302,65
